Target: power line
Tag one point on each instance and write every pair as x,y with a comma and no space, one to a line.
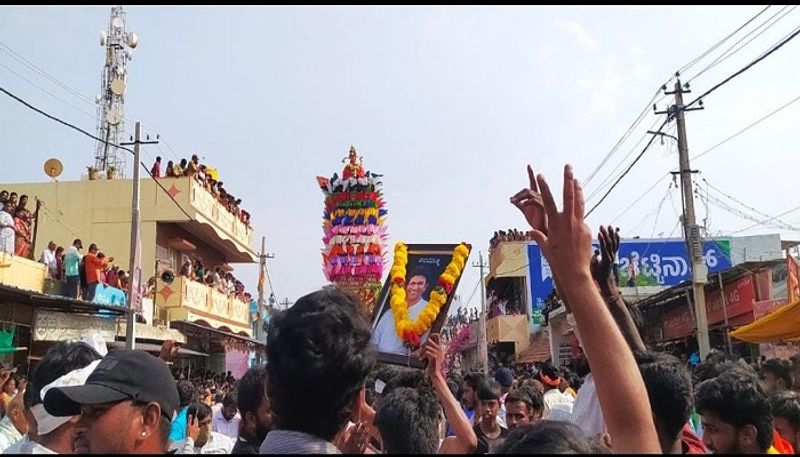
789,38
637,199
737,201
647,146
746,128
46,91
641,116
728,54
764,222
719,43
78,129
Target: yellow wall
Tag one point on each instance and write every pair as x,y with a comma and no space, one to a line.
22,273
509,259
100,212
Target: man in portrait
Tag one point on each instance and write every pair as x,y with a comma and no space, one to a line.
384,336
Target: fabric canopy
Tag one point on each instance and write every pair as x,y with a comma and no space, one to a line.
781,325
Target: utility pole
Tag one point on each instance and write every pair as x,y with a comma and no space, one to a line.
135,286
483,353
690,227
262,274
286,303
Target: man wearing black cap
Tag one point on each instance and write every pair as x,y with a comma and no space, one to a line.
385,336
126,405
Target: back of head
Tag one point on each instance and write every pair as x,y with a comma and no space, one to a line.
319,353
474,380
408,421
549,376
669,389
59,360
781,369
187,394
408,377
738,398
545,437
251,389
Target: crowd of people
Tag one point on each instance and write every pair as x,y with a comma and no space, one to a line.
16,224
216,277
193,168
323,392
510,235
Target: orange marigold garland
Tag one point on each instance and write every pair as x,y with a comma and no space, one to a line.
410,331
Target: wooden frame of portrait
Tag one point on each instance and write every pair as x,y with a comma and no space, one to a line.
432,259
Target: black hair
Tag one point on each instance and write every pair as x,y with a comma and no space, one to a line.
230,399
669,389
489,390
532,399
420,270
781,369
474,380
251,390
199,411
408,377
320,353
545,437
59,360
408,422
786,404
187,394
738,399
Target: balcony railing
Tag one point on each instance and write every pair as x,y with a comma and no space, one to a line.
208,206
190,300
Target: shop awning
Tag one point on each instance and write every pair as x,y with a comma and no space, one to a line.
779,326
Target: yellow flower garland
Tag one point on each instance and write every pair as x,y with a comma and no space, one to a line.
410,331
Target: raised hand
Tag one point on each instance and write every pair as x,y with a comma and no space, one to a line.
603,269
192,427
433,352
529,201
353,440
567,244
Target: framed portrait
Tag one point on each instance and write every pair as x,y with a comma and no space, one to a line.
425,263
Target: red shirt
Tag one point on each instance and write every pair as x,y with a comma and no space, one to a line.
690,443
94,267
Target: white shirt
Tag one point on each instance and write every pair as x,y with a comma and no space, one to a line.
217,444
586,412
229,428
385,337
554,397
49,259
7,234
8,434
26,446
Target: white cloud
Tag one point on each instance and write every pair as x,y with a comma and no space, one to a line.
577,31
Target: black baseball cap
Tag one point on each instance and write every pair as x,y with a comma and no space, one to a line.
121,375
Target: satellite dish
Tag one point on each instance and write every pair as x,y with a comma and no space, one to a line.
133,40
113,117
117,23
118,86
53,168
103,38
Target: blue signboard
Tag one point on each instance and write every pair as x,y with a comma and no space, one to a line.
648,262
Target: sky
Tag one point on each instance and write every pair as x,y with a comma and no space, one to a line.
449,103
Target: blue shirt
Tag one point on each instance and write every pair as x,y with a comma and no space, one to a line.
177,430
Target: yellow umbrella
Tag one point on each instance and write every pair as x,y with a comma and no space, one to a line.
781,325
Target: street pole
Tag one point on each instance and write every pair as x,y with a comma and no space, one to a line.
691,229
262,273
135,264
32,250
483,349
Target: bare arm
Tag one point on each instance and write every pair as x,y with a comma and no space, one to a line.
620,389
603,273
464,441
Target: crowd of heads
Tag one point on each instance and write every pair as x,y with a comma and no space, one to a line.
216,277
501,236
194,169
